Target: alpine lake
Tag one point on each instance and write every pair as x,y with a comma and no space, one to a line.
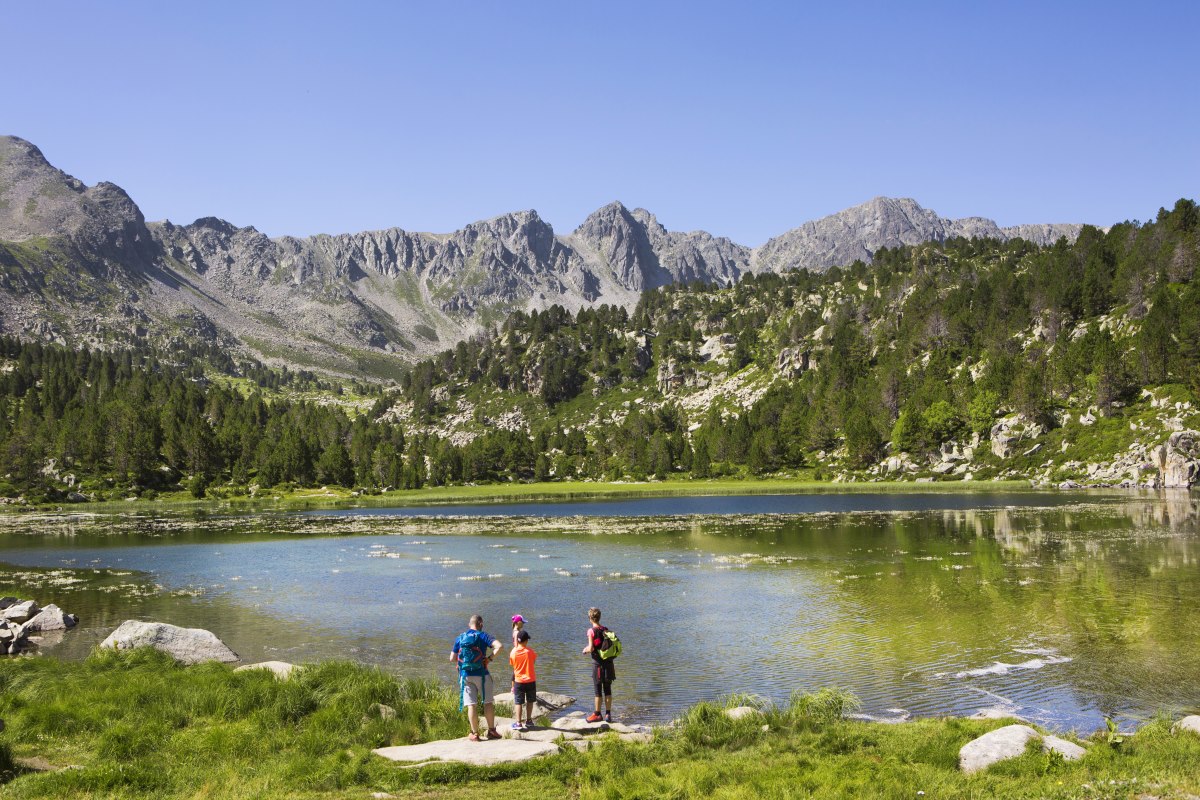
1061,607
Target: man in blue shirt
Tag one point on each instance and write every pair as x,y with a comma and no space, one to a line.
470,652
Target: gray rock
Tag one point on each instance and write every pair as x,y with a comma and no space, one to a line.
282,669
1189,723
481,754
741,712
579,725
21,611
51,618
186,645
5,602
995,746
1068,750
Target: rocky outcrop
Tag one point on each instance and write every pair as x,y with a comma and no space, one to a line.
1178,460
186,645
310,299
21,620
856,233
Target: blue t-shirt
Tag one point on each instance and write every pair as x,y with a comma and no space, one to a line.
486,640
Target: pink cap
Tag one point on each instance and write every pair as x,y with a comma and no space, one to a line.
517,618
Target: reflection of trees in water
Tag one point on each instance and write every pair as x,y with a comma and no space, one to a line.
1115,587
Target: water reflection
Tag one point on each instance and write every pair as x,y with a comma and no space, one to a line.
1064,612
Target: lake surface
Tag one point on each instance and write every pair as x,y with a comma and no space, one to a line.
1063,608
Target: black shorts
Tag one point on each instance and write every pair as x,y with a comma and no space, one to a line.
524,693
603,674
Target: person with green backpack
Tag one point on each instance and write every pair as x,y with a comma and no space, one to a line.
604,647
470,652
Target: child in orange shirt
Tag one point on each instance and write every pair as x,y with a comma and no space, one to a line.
522,659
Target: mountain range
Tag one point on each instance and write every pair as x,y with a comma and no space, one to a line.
81,264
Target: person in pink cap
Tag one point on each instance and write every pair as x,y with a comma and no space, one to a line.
518,623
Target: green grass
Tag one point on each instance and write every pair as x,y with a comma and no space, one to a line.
134,724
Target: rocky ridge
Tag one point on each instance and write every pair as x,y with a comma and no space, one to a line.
81,264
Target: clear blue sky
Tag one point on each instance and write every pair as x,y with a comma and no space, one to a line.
743,119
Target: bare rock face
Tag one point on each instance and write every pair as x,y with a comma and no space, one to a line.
1178,460
856,233
114,276
186,645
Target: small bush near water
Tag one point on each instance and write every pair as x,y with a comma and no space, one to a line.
135,724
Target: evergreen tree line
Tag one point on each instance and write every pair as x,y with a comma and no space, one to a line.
926,344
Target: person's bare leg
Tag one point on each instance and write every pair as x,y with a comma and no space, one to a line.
489,711
529,713
473,718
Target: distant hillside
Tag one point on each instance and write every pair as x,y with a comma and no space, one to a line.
81,265
964,360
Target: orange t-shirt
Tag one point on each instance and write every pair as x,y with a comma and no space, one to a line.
522,659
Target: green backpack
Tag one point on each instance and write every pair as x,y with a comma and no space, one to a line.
607,644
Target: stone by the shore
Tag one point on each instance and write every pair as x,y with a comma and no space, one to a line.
546,701
1188,723
282,669
186,645
995,746
5,602
579,725
51,618
741,712
1068,750
19,612
482,754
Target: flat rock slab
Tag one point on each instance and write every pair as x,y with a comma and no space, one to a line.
282,669
995,746
185,645
1188,723
1068,750
480,754
579,725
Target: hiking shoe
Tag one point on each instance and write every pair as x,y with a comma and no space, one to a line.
493,734
608,717
593,717
473,737
516,726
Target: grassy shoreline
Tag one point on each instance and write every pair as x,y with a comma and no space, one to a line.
135,724
337,497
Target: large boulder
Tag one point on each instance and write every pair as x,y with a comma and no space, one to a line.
1188,723
995,746
1010,742
186,645
51,618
